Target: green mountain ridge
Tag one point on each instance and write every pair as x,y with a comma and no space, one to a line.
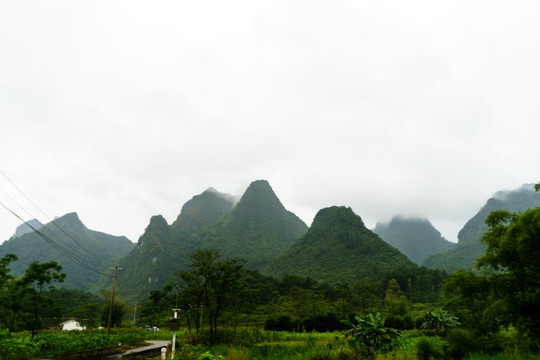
415,237
338,248
257,230
89,253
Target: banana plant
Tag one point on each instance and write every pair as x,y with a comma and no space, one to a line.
438,322
371,332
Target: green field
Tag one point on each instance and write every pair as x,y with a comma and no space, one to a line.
252,344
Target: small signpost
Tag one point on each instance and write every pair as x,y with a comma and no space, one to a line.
174,326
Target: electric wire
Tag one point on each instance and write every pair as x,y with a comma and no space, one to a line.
42,212
72,256
46,228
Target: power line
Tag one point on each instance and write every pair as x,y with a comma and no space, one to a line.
67,253
42,212
45,228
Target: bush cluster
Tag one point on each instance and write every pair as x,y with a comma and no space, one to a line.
320,323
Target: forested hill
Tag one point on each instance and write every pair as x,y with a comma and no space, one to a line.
417,238
469,246
81,252
339,248
257,229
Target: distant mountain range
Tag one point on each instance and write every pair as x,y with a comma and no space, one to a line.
337,247
469,246
416,238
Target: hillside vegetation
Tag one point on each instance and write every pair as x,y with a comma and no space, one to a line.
338,248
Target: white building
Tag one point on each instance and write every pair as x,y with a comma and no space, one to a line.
71,324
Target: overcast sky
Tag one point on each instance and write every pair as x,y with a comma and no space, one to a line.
121,110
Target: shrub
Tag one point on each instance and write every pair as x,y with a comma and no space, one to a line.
335,354
283,323
238,354
427,348
208,356
462,342
395,321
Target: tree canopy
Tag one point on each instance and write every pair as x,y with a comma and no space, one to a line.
513,250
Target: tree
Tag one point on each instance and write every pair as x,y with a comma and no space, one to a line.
88,315
5,275
511,258
6,293
395,301
212,283
21,299
118,310
470,295
157,308
37,277
343,292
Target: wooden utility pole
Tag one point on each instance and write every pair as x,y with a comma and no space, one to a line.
135,315
112,301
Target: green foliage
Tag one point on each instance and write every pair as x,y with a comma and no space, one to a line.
117,311
37,277
213,283
371,332
208,356
22,299
470,296
462,342
427,348
395,302
438,322
22,346
512,254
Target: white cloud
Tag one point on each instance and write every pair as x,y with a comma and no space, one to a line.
123,110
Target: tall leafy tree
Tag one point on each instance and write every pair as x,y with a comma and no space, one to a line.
37,278
6,291
212,283
21,298
470,295
395,301
513,250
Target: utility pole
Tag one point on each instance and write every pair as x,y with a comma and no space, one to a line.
112,301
